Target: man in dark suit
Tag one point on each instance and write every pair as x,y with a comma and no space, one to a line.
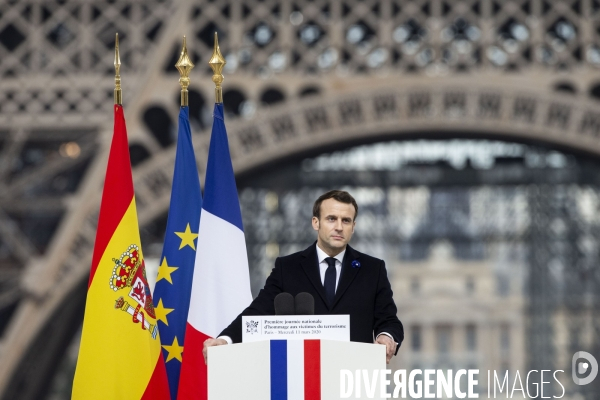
341,280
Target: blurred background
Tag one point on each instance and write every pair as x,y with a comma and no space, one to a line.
468,131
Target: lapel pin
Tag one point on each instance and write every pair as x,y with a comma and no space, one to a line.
355,264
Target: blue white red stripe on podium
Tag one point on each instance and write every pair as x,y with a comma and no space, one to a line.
279,370
295,369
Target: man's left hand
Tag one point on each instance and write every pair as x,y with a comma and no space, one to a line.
390,346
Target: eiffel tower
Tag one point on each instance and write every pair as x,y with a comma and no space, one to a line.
301,76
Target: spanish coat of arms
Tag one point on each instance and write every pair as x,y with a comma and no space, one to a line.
129,274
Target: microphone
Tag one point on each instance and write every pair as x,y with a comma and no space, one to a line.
284,304
305,304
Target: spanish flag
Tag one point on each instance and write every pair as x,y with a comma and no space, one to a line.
120,352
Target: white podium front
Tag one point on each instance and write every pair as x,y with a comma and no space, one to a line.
290,369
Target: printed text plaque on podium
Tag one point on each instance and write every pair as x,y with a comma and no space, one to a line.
332,327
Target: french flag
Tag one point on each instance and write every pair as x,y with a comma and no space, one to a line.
221,283
295,369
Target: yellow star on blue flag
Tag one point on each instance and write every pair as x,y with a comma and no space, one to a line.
165,271
174,351
187,238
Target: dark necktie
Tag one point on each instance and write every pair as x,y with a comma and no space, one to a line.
330,275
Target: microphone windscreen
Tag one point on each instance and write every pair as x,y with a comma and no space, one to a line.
305,304
284,304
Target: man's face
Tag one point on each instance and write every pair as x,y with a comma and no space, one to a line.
335,226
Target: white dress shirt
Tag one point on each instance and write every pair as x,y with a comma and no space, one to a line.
321,255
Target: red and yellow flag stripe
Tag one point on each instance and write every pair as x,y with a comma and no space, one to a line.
120,352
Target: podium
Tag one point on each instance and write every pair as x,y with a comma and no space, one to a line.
292,369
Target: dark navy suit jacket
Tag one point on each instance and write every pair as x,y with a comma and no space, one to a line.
363,292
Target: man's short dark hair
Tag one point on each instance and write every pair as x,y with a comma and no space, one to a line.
339,195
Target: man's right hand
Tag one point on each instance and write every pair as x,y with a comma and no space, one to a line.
209,343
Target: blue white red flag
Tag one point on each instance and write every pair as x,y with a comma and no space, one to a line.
221,284
295,369
174,280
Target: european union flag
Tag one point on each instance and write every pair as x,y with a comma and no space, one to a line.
176,271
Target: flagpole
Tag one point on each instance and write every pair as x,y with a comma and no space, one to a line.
217,62
118,90
220,287
184,65
117,282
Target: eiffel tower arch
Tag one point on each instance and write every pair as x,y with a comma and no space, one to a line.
302,78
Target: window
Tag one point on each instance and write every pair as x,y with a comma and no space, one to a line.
470,285
416,338
503,285
415,285
471,337
505,337
443,335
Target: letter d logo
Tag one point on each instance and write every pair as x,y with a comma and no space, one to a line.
583,367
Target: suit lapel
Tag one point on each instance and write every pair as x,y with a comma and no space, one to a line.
348,274
310,264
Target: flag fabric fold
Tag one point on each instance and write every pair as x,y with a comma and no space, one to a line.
176,270
119,355
221,283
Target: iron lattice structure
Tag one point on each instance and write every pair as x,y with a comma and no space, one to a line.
452,62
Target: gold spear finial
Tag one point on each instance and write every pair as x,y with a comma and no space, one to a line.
118,91
217,62
184,65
